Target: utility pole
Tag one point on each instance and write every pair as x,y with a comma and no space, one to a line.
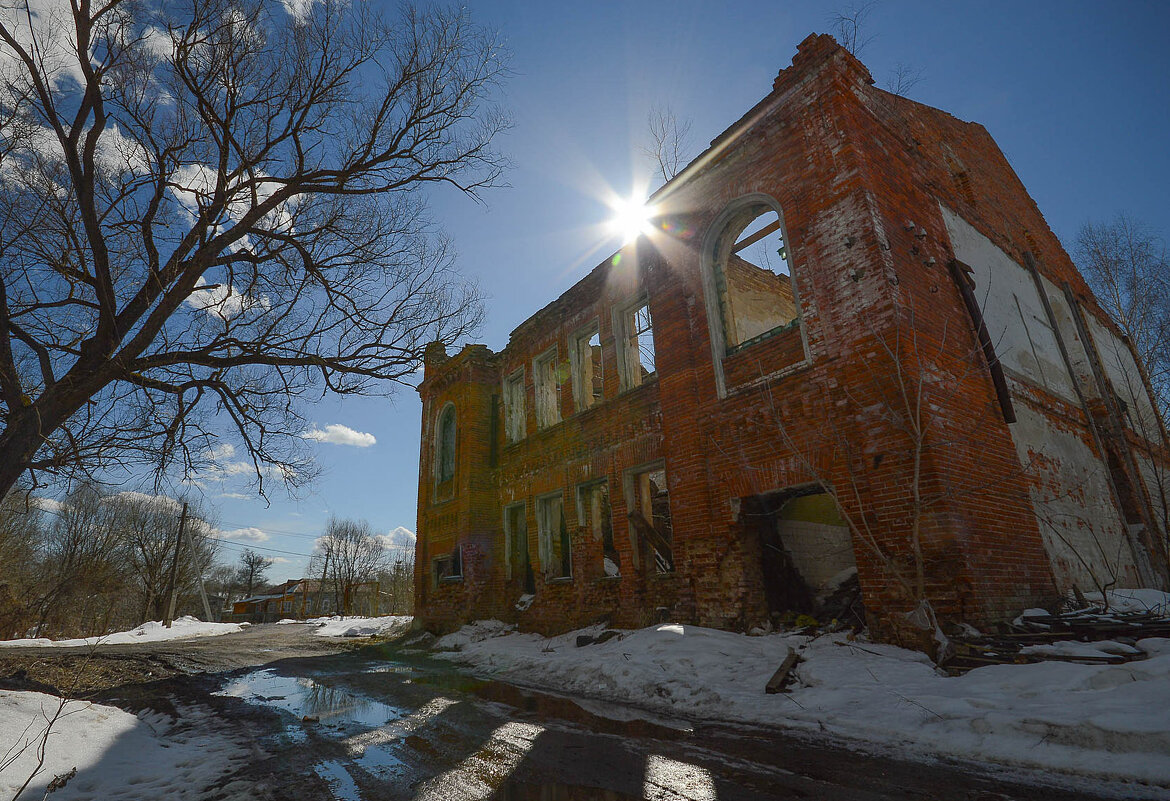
321,586
202,589
174,593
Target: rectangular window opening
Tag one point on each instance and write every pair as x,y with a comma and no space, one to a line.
638,345
548,412
514,420
555,549
650,517
587,370
448,567
596,517
518,564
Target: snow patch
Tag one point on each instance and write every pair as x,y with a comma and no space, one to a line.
361,626
1104,721
116,754
183,628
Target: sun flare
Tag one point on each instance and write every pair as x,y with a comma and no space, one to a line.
631,218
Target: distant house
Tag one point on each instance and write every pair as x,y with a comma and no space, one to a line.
295,598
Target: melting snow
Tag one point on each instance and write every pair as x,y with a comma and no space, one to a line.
1106,721
181,629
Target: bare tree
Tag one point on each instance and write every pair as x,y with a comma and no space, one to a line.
149,531
849,26
354,555
670,141
1125,263
213,207
903,78
80,575
396,581
251,571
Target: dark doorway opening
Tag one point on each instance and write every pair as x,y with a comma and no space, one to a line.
806,548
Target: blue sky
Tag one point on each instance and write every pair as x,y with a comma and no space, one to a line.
1076,94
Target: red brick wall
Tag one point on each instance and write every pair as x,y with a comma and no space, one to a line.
858,175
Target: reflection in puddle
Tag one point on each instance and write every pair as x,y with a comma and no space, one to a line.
340,782
307,698
380,761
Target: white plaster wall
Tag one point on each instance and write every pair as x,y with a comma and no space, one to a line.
1012,310
1079,524
819,551
1157,478
1123,373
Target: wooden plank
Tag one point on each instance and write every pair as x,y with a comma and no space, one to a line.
651,534
781,676
756,237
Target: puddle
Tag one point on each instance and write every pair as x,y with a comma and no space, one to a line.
305,697
380,761
342,785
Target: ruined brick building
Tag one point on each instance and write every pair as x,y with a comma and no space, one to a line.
850,342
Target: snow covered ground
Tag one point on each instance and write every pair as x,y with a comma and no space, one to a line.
360,626
181,629
1101,721
116,754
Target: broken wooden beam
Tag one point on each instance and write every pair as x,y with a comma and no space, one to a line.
782,676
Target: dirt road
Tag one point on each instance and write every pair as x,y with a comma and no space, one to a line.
325,719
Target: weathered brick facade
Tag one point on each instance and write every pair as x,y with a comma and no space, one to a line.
878,396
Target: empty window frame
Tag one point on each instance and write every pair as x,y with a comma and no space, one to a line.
517,562
636,344
556,560
650,516
753,276
585,358
596,517
548,389
448,567
514,420
445,441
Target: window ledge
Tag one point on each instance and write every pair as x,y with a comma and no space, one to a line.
776,375
559,580
665,576
758,338
451,580
609,579
648,381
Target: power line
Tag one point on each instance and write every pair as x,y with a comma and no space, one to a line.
247,546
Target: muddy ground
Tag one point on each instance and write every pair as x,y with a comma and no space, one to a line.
363,721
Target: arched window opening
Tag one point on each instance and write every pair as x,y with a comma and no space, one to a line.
753,276
446,465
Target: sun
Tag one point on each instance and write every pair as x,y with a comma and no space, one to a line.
631,218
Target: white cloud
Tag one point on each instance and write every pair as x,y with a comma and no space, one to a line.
160,502
341,435
222,450
299,9
48,504
239,496
222,300
279,560
400,537
251,534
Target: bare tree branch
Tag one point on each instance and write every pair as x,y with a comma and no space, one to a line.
670,141
211,209
849,26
